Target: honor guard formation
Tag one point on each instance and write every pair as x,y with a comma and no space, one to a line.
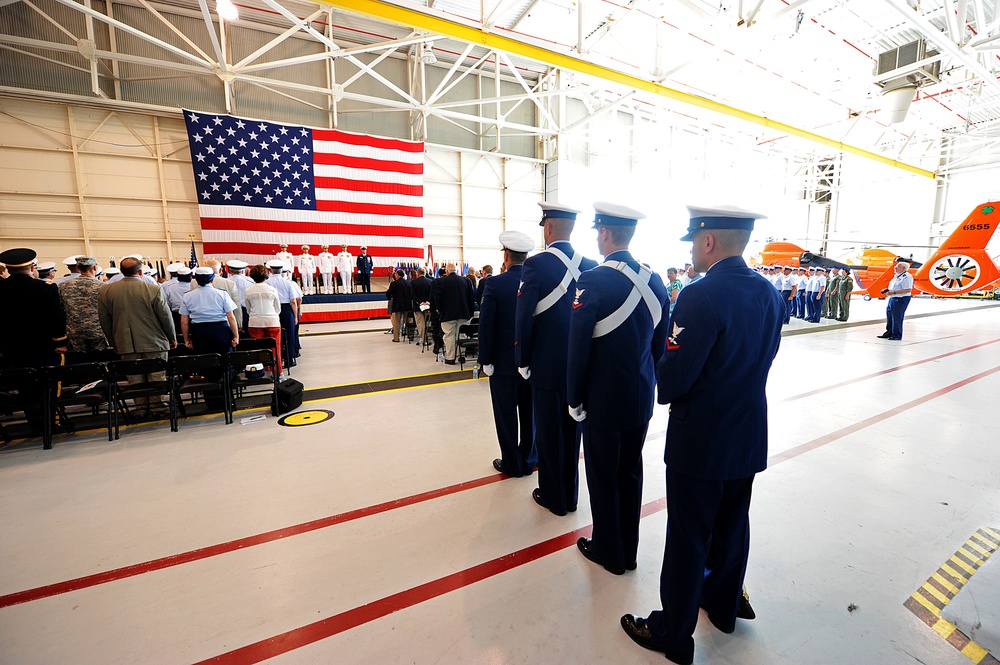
576,352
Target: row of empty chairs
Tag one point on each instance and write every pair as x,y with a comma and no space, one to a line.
97,387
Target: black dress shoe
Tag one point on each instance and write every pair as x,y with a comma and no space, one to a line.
745,611
584,545
631,565
895,339
498,465
536,494
883,336
638,629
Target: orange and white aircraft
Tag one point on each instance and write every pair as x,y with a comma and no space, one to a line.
960,265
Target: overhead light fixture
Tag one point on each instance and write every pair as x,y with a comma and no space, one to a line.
426,54
226,10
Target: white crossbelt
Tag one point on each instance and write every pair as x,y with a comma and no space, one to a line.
572,272
640,291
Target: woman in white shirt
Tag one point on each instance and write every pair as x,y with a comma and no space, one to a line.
263,308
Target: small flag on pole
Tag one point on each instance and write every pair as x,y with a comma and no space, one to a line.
193,262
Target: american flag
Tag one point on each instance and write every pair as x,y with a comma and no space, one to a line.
261,184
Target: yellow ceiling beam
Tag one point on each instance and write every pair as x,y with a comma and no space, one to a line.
442,26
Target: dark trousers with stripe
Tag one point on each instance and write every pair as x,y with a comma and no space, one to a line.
800,305
557,439
789,304
818,299
511,397
704,558
613,459
290,332
894,312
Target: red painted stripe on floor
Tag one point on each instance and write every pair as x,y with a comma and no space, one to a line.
338,623
238,544
795,451
886,371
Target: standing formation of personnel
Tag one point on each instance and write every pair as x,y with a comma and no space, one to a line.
808,293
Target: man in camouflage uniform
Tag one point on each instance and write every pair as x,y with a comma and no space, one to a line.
832,302
844,290
79,300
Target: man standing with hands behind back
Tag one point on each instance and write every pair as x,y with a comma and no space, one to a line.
616,334
544,304
509,391
724,335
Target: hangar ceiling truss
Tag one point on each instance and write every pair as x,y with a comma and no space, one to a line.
793,77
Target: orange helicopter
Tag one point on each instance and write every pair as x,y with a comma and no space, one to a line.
960,265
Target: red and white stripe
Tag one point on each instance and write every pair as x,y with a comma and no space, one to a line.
369,192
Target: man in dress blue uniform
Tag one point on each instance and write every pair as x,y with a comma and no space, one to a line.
364,270
616,334
544,303
509,391
35,345
724,335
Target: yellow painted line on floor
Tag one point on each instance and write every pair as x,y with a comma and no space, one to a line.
984,552
928,593
386,392
954,573
931,607
396,378
974,652
984,538
961,564
940,579
944,628
929,588
971,555
991,532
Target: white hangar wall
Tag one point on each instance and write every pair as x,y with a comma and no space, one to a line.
76,179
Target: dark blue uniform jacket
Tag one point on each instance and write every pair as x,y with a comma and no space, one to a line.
613,375
496,321
724,333
540,341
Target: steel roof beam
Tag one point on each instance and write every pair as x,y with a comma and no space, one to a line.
466,33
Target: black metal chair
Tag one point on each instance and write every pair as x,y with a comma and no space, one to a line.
85,384
202,374
20,390
240,382
468,342
120,370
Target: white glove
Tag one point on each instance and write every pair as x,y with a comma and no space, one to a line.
577,413
525,372
488,370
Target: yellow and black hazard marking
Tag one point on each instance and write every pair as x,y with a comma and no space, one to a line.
932,596
304,418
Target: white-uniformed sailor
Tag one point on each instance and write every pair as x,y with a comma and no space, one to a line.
286,260
307,270
326,262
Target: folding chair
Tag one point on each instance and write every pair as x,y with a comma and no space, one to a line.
20,389
86,384
239,382
468,342
120,370
192,375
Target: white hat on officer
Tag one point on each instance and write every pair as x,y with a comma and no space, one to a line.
183,270
553,210
174,267
614,214
46,266
516,241
71,260
275,263
204,270
720,217
236,264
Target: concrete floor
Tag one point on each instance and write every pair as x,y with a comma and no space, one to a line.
383,535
